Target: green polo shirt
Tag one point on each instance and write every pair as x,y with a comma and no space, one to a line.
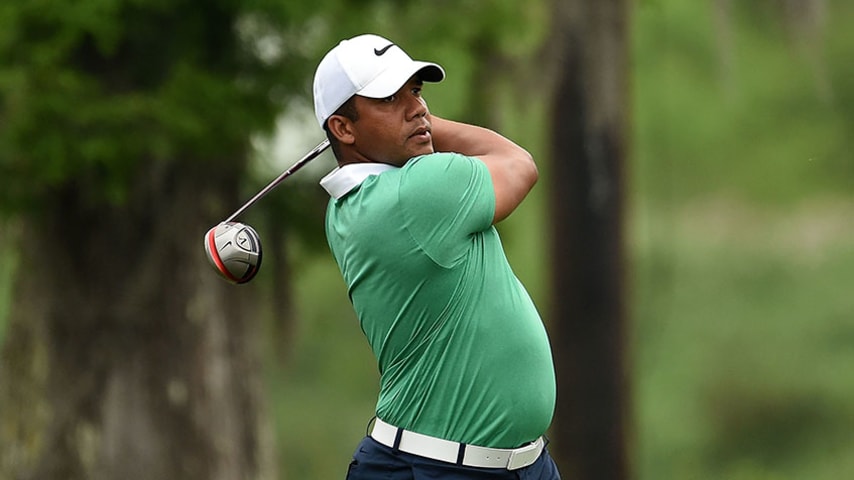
462,352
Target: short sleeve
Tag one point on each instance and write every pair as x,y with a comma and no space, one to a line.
446,198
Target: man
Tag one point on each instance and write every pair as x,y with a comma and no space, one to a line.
467,383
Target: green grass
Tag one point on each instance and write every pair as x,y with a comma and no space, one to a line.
742,336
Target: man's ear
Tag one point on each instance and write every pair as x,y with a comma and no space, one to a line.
341,128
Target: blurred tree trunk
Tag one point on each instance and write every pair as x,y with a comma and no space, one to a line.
589,142
282,296
723,23
126,357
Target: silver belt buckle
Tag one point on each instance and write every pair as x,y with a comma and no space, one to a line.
524,456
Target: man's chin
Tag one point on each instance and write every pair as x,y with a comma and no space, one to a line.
424,150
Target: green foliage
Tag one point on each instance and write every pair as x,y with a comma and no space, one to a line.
740,182
754,116
93,91
742,244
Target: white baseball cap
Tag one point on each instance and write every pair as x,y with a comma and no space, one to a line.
366,65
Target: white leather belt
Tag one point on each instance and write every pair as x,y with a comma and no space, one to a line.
454,452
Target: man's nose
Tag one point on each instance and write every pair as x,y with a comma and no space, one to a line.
417,107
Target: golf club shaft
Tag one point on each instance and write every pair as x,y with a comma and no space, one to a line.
296,166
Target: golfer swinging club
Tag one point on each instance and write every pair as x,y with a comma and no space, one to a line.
467,385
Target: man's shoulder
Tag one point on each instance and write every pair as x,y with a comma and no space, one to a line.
443,181
437,156
441,161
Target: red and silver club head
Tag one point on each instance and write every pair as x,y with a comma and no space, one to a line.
234,250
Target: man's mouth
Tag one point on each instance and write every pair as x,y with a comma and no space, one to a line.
421,134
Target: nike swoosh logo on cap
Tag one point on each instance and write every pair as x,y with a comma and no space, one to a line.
382,51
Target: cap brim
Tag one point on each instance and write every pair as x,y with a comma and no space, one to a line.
390,81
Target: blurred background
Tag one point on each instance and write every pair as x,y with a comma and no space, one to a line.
128,128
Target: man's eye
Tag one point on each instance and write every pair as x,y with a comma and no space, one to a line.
416,92
390,98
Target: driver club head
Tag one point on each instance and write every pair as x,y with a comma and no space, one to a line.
234,250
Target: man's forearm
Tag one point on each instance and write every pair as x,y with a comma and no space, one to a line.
471,140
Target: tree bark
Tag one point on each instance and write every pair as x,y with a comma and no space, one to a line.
589,132
126,357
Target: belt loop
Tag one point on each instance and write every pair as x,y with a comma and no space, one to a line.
369,426
461,454
398,435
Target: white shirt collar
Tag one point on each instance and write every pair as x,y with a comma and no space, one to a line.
343,179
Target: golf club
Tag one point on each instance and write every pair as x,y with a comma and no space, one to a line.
233,248
287,173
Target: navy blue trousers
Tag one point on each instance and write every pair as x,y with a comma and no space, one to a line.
375,461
